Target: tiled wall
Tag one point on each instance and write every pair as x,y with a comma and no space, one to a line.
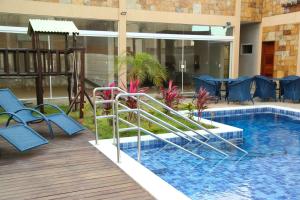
100,3
286,39
211,7
251,10
274,7
254,10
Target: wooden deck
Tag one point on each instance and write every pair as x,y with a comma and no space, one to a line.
66,168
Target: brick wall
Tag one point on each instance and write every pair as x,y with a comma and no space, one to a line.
251,10
211,7
286,39
100,3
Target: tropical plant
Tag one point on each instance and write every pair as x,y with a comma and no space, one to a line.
190,108
143,66
107,95
201,101
132,102
171,96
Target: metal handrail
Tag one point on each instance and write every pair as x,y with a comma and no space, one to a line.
157,137
142,113
138,112
185,118
169,127
194,123
112,101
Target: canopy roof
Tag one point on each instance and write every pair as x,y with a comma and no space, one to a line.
51,27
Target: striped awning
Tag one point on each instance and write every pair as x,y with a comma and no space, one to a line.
51,26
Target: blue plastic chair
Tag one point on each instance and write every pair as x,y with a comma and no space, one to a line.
21,136
284,81
10,103
292,90
226,85
265,88
209,85
211,78
240,90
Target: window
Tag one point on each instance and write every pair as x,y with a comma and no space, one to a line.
247,49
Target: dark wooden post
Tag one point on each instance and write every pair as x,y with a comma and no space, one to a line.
82,84
6,62
38,67
75,81
67,69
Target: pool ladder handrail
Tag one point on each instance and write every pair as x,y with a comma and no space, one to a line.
98,101
151,118
133,127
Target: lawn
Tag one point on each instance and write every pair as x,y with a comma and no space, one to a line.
105,127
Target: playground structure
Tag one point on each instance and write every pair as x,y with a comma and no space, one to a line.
38,63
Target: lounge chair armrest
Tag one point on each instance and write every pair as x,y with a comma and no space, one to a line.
14,115
33,111
50,105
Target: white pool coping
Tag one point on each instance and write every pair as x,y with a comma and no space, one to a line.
152,183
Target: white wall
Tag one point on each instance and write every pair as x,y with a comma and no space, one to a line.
248,63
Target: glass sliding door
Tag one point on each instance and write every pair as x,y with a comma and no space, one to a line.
202,58
185,59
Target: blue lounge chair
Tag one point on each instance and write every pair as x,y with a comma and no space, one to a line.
21,136
211,86
292,90
10,103
265,88
240,90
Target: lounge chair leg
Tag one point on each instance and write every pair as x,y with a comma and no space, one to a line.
50,129
8,121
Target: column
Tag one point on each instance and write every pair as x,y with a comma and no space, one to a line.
259,49
236,42
298,54
122,70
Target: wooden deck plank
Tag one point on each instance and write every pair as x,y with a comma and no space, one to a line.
66,168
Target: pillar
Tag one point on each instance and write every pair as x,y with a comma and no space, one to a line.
236,42
122,69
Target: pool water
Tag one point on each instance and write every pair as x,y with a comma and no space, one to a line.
270,171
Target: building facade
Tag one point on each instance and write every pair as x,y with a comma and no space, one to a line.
227,38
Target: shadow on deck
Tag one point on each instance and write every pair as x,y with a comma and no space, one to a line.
66,168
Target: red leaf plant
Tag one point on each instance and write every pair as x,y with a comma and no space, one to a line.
107,95
201,101
131,102
171,95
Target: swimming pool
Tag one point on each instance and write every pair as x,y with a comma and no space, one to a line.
270,171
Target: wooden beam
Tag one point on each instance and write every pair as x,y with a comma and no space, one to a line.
82,83
6,64
16,62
